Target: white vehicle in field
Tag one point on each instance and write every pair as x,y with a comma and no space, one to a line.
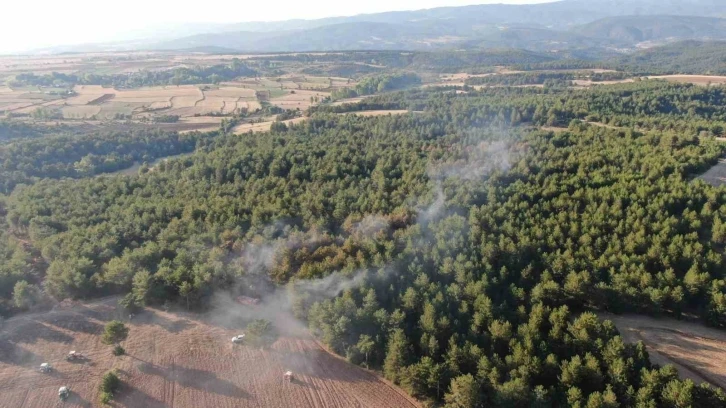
64,393
46,368
238,339
74,356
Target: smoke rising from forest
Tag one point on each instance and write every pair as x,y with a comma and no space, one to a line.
480,160
477,162
432,212
371,225
259,257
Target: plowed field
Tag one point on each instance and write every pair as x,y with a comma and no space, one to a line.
175,360
698,352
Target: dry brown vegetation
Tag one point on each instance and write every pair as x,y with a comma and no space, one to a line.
175,360
698,352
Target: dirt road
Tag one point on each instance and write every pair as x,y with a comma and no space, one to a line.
697,351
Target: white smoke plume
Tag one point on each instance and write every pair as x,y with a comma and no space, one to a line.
477,162
260,255
278,303
371,225
331,285
433,211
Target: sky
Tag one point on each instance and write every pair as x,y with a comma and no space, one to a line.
33,24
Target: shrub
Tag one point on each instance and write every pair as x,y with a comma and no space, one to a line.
260,332
114,332
108,387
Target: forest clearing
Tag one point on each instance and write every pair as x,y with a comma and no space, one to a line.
698,352
716,175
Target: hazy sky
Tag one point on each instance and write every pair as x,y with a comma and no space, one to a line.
28,24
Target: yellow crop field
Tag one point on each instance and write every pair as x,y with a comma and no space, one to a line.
160,105
251,105
262,126
184,101
195,105
231,92
111,109
213,104
14,106
298,99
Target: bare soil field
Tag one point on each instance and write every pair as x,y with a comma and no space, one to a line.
298,99
199,123
348,100
693,79
377,112
175,360
698,352
262,126
460,78
588,83
80,111
254,127
21,100
93,102
459,84
293,90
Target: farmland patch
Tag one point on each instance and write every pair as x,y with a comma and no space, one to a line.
178,360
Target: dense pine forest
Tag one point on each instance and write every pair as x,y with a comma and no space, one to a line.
474,239
68,155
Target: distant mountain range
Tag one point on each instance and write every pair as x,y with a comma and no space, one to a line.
638,29
614,25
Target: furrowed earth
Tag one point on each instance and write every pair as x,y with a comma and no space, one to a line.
175,360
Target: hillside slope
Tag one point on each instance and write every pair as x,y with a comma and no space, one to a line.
686,57
636,29
545,27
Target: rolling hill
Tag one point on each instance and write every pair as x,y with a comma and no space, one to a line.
567,25
685,57
636,29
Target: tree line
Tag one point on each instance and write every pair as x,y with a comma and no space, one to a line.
68,155
377,84
177,76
